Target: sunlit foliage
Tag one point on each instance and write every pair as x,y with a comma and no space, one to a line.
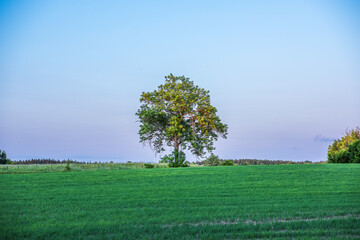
346,149
179,115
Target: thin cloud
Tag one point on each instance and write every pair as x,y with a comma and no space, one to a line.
321,138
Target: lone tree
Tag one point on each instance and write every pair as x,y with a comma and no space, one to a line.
179,115
3,158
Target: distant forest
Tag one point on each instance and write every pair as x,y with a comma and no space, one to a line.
46,161
261,162
236,162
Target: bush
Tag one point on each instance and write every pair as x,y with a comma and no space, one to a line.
346,149
149,165
67,167
213,160
354,152
228,163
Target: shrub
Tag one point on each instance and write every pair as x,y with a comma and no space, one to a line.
67,167
213,160
354,152
228,163
346,149
149,165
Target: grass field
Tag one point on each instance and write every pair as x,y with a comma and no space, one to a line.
46,168
282,201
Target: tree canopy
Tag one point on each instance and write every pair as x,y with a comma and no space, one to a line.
179,114
346,149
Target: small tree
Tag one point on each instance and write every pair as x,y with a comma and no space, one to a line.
346,149
3,158
179,115
67,167
212,160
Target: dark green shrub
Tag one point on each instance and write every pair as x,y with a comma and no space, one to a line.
173,161
228,163
149,165
354,152
3,158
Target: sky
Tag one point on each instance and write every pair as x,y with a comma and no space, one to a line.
284,75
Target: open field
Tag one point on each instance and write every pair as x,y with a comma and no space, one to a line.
280,201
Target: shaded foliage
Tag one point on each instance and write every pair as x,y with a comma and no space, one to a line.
3,158
149,165
228,163
174,161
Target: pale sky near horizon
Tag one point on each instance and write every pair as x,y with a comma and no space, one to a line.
284,75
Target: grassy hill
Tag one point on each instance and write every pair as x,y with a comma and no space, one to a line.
280,201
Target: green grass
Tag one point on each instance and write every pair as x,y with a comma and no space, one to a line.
282,201
40,168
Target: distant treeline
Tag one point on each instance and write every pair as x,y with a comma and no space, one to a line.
260,162
236,162
46,161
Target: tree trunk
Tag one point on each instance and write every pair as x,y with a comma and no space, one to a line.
176,152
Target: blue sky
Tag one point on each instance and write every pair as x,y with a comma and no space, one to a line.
284,75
